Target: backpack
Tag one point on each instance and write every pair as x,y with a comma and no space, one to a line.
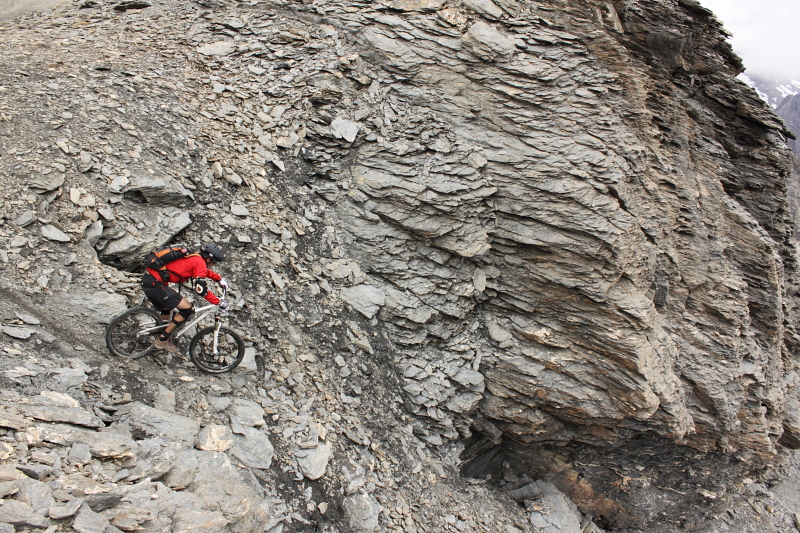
160,258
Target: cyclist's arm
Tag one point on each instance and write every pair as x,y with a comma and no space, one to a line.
200,271
210,298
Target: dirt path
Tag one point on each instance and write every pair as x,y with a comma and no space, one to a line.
14,8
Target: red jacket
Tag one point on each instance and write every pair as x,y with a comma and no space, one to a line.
191,266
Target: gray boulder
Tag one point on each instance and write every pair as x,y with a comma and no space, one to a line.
159,191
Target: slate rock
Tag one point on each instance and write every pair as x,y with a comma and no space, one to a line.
52,233
158,423
159,191
35,470
219,48
60,512
549,509
344,129
8,488
28,319
35,493
79,453
365,299
103,500
132,518
88,521
101,444
362,513
69,415
102,305
240,210
314,461
194,521
253,448
18,332
219,485
165,399
184,471
25,219
46,183
249,359
486,8
154,457
248,412
18,513
215,438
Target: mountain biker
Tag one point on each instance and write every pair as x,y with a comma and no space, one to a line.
165,299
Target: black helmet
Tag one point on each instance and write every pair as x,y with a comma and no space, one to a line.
212,252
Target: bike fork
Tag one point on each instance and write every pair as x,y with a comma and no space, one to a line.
215,344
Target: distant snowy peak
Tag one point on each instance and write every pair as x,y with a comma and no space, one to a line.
764,96
792,88
773,91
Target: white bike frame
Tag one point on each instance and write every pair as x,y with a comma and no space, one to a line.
205,311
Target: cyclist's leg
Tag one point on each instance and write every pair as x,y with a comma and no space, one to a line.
185,310
164,300
158,295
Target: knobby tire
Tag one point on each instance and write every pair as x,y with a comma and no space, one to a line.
121,338
231,350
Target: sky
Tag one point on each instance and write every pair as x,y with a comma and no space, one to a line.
766,34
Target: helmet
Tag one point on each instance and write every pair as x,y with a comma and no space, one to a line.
212,251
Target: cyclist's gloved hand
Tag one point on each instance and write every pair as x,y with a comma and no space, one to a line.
224,306
223,283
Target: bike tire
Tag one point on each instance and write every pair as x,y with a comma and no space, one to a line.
121,333
231,350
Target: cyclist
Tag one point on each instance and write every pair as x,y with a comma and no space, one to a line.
165,299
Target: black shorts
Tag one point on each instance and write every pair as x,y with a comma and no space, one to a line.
163,297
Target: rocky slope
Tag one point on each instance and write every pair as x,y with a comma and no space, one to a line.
554,233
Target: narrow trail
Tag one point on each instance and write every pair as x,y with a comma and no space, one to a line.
14,8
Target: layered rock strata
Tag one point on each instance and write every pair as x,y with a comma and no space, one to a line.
577,217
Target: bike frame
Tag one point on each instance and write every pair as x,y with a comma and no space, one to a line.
203,313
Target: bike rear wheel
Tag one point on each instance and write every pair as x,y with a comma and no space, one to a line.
122,334
230,350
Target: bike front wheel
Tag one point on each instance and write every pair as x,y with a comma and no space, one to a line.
124,337
230,350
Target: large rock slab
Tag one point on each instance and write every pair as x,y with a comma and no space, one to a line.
69,415
157,423
159,191
102,305
105,444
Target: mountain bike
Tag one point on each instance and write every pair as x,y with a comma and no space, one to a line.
214,349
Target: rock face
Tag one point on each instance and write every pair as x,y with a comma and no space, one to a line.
582,205
553,199
541,225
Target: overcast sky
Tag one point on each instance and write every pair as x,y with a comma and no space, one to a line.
766,33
